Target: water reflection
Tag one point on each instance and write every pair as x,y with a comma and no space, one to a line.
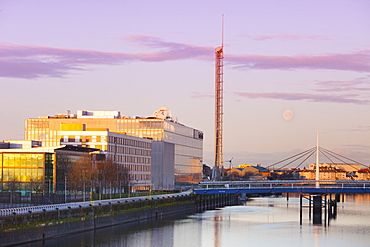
261,222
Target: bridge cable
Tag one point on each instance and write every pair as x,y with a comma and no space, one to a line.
325,151
294,160
345,157
304,152
308,156
344,162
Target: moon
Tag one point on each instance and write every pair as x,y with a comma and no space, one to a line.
288,115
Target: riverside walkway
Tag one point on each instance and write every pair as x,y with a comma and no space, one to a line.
86,204
283,186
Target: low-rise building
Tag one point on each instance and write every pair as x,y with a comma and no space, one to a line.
342,166
42,169
326,173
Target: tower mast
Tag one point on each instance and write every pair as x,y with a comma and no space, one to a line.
219,157
317,176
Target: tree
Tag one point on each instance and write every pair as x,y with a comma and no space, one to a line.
103,175
80,173
36,185
13,185
111,175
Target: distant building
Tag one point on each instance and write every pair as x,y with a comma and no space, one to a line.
343,166
337,171
285,174
207,171
363,174
246,172
187,142
325,174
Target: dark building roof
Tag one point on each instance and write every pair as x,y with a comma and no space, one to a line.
79,149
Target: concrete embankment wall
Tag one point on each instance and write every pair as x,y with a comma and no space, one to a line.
39,226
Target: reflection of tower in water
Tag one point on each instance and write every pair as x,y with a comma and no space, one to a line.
217,237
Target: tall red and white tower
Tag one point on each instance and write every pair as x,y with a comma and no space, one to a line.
219,96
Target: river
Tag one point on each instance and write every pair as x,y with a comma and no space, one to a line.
267,221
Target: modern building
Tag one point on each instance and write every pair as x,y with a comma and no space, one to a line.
44,168
129,152
187,142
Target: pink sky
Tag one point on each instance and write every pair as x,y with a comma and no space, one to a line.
136,56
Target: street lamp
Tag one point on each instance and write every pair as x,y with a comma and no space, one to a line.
65,189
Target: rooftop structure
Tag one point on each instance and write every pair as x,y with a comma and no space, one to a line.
20,144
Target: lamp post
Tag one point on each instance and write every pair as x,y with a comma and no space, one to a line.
65,189
84,193
129,188
49,190
120,189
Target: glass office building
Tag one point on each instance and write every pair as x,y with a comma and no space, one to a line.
22,167
188,142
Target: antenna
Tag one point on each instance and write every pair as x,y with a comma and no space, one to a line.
223,31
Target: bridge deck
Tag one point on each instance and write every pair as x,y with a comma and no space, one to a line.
280,186
262,190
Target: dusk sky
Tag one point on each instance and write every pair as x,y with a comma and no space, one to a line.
309,57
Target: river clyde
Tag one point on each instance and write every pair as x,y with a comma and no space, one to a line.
265,221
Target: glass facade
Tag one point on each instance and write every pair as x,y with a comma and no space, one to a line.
24,168
188,141
44,170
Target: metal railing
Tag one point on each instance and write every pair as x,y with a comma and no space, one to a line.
293,184
87,204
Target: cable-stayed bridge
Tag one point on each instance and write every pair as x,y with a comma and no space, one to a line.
304,186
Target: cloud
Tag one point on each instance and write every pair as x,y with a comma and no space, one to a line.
357,129
358,84
346,98
287,37
26,61
168,50
358,61
23,61
200,95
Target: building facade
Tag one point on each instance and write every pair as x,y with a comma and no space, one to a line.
41,170
129,152
187,142
343,166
